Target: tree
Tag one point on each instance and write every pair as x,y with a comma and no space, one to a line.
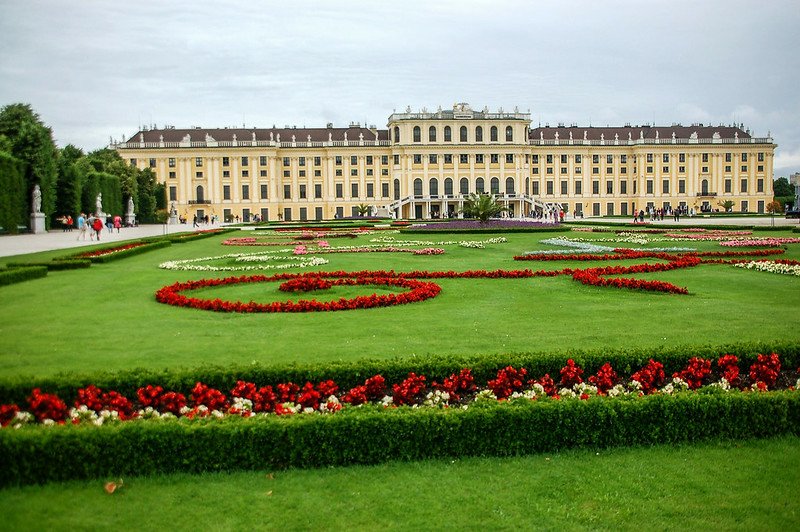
782,187
363,209
12,192
482,207
146,186
774,207
32,143
727,205
70,181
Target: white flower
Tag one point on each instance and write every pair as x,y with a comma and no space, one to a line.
485,395
387,400
617,390
566,393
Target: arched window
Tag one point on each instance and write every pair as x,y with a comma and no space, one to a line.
433,187
418,187
448,187
703,186
464,186
397,189
495,184
462,134
417,134
200,197
448,134
527,186
432,134
479,134
479,185
509,134
396,134
493,134
509,185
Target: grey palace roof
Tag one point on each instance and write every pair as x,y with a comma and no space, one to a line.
636,132
318,134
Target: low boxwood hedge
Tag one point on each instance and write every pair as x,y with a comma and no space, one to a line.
374,435
477,230
17,275
55,265
350,374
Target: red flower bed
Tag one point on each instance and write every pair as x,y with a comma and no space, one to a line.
108,251
289,398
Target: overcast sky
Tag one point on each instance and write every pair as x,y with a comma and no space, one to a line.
99,69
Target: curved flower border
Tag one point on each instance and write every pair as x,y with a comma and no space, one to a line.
293,262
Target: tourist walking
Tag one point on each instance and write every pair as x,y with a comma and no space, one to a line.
97,225
81,227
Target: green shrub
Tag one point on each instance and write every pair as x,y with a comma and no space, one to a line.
17,275
55,264
373,435
350,374
481,230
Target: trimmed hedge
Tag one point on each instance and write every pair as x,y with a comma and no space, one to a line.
147,246
350,374
417,231
180,238
17,275
55,264
373,435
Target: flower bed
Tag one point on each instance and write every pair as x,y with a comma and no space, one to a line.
108,251
290,262
760,242
785,267
419,291
459,390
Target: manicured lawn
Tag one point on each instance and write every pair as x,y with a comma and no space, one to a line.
749,485
106,317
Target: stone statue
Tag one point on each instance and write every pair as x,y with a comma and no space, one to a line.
172,210
584,134
130,205
36,203
98,203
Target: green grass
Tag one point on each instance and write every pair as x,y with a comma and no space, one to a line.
749,485
106,317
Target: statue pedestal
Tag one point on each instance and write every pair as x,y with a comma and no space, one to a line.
383,212
37,223
130,220
173,219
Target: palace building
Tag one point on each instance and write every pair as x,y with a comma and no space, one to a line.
425,163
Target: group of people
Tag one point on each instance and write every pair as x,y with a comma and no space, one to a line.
93,225
654,214
197,220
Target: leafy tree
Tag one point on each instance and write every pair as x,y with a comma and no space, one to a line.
146,204
12,192
727,205
774,207
32,143
70,181
363,209
482,207
782,187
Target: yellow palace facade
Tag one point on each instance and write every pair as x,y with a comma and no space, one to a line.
425,163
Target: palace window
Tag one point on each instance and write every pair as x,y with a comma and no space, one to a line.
493,158
549,159
198,161
509,158
172,162
286,161
286,173
609,159
578,159
578,169
173,193
462,134
417,134
226,192
301,161
354,172
369,160
728,157
479,186
494,185
623,187
681,157
649,157
549,188
245,192
287,191
448,187
509,134
681,186
564,187
226,174
353,160
317,190
432,158
417,158
338,172
665,158
172,175
478,134
339,190
370,190
302,192
397,134
264,189
384,159
354,190
262,160
744,157
743,187
396,159
704,158
563,170
649,186
479,158
595,159
433,187
246,173
728,186
245,160
760,185
535,188
448,134
578,188
609,187
448,158
493,134
432,134
549,170
535,158
384,190
761,157
463,158
463,186
263,173
665,186
595,187
744,168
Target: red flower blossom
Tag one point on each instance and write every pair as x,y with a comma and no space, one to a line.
766,370
410,391
571,374
729,366
605,379
47,406
650,377
7,414
508,381
694,374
